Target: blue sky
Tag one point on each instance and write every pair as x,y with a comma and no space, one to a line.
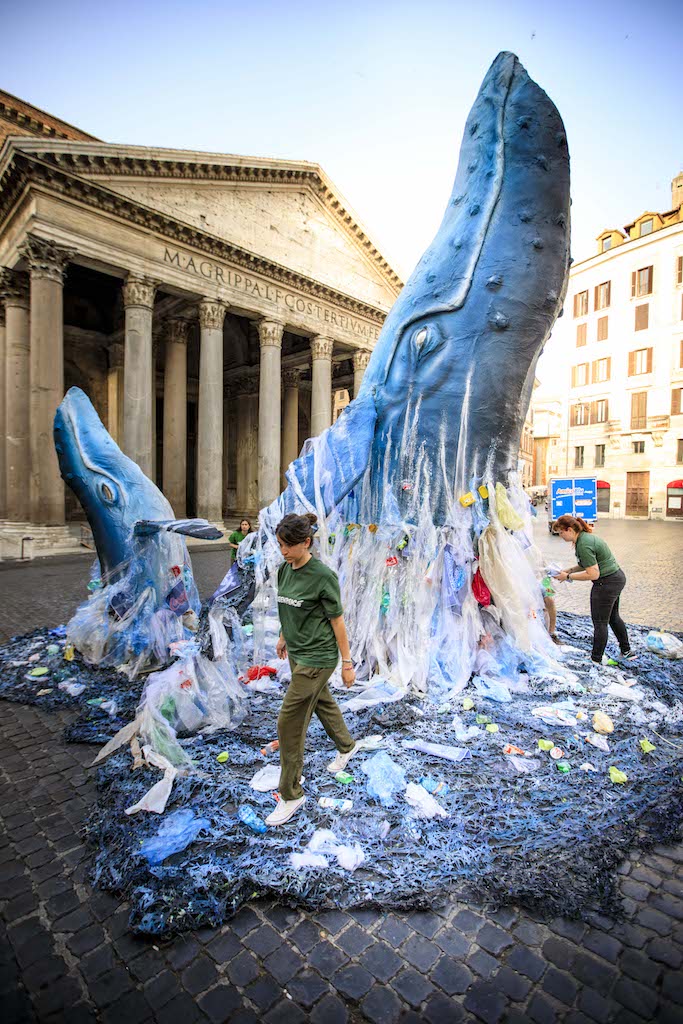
377,93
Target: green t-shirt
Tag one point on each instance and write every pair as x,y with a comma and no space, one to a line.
592,550
307,599
236,537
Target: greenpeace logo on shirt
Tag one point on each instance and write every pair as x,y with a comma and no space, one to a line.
289,600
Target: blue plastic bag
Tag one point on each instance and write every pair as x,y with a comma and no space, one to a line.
176,832
385,778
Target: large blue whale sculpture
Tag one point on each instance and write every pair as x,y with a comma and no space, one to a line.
145,592
449,382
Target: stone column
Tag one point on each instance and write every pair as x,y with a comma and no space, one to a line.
290,425
247,441
321,390
138,382
3,414
115,392
361,358
14,290
174,476
210,412
270,337
47,263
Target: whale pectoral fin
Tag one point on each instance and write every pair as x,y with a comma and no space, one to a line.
331,464
200,528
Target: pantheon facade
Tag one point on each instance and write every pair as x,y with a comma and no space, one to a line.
216,309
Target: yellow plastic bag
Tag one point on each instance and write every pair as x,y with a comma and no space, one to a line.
506,513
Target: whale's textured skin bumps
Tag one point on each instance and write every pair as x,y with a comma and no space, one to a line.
458,351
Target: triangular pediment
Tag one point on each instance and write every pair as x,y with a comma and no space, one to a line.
287,212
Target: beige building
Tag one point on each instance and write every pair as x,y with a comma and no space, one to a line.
622,339
210,305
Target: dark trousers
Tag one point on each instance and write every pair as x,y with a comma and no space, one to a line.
605,612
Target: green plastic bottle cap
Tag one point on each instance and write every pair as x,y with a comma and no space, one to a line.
563,766
223,757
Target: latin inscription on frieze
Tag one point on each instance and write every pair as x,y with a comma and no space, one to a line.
280,298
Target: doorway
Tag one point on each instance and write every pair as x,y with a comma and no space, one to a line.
637,494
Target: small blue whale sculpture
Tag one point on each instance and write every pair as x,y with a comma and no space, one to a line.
144,595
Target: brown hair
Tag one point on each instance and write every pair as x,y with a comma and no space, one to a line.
295,529
574,523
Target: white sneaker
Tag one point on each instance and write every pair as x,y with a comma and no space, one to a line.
341,760
285,810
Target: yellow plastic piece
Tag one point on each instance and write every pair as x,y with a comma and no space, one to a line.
467,703
492,727
617,776
546,744
69,652
467,499
223,757
483,491
506,513
602,723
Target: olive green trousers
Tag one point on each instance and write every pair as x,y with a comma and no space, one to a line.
308,692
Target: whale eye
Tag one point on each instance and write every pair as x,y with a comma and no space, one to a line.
107,492
426,339
420,338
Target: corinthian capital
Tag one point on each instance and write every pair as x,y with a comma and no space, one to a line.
139,291
212,314
177,331
321,348
291,378
45,258
270,333
361,358
14,287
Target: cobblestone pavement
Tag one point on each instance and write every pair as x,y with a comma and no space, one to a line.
66,953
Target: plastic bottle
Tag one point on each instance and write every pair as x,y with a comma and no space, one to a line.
270,748
334,804
434,787
344,777
249,817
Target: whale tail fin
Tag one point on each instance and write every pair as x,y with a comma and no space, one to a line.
200,528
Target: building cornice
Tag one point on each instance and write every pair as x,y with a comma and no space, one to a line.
23,170
11,110
137,162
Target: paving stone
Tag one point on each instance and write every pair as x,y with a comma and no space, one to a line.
419,952
162,989
381,1005
381,961
247,1016
493,939
219,1003
636,890
603,945
131,1008
640,967
284,1013
668,904
572,930
528,933
593,972
96,963
332,921
541,1010
181,1010
244,921
485,1002
146,966
43,973
281,917
354,940
631,934
330,1010
264,940
439,1009
352,981
199,976
468,922
73,922
672,987
424,921
326,958
110,986
264,992
664,951
654,919
224,947
526,962
305,935
641,873
636,997
243,969
595,1006
367,917
57,998
85,940
452,976
34,950
183,952
283,963
307,987
513,985
560,985
483,963
412,986
505,917
394,930
559,952
453,942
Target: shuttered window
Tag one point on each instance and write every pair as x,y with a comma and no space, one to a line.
581,335
599,456
602,328
679,270
599,410
676,401
641,281
639,410
642,316
602,295
679,451
581,304
601,370
640,361
578,457
579,375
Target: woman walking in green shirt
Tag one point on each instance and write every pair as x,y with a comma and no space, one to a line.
312,635
236,538
598,564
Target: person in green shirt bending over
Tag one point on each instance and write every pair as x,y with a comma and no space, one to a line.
598,564
312,635
236,538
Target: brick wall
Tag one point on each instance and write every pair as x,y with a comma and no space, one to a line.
19,118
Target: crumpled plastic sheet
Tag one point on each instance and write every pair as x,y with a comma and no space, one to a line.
517,831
